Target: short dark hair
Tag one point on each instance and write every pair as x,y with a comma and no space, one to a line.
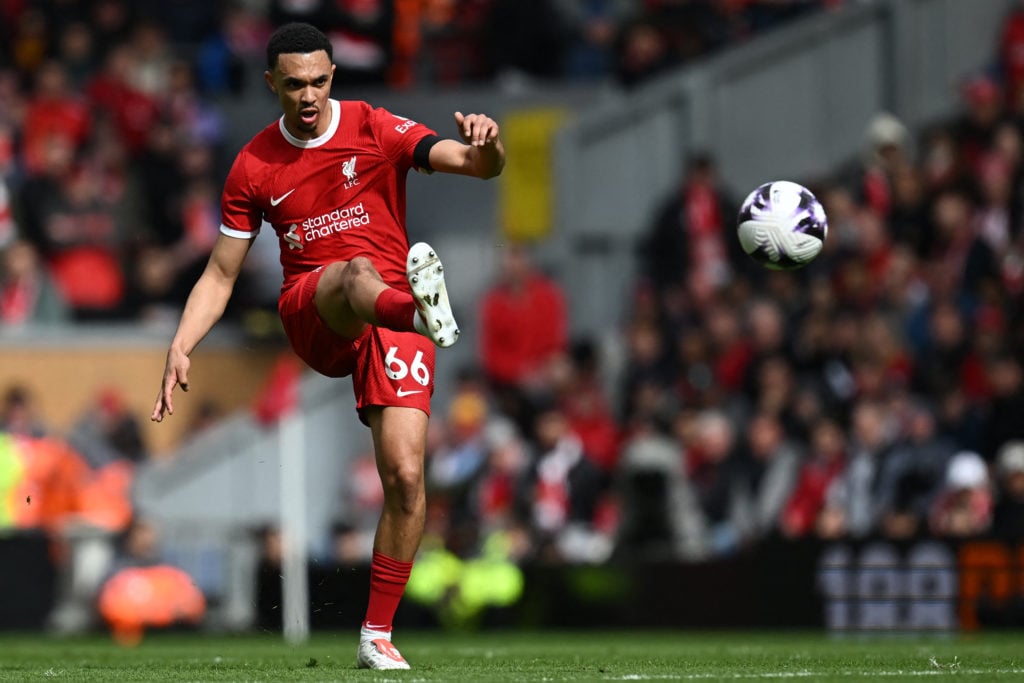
296,38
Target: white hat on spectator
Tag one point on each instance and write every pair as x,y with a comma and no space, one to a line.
1011,457
885,129
966,470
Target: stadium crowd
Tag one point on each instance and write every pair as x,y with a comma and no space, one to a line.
877,392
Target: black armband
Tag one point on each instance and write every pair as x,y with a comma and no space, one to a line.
421,155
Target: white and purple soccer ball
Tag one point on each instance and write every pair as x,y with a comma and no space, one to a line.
782,225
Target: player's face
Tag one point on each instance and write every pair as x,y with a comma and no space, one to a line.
302,83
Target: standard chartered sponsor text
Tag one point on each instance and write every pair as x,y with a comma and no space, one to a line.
334,221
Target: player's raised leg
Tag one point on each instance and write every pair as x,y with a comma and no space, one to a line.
351,294
399,440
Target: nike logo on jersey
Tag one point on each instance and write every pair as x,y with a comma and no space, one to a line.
402,392
274,201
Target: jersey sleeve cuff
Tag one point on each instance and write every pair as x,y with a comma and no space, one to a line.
240,234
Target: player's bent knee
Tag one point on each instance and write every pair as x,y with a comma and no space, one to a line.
357,269
332,280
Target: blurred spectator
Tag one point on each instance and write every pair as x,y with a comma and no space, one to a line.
943,163
580,390
220,59
54,111
912,475
79,217
908,213
775,390
28,294
525,38
364,496
1011,55
349,546
270,550
1008,513
852,505
499,485
887,153
19,414
186,22
1002,421
661,516
111,22
563,486
960,419
109,431
591,27
152,62
767,334
450,50
825,462
114,94
688,240
964,507
975,128
192,118
769,467
998,214
963,258
138,545
694,380
29,39
713,464
457,463
59,493
77,53
641,52
523,329
648,372
943,358
730,348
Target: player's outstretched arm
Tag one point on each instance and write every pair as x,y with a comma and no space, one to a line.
205,306
482,155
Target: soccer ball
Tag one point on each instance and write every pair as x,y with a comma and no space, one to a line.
782,225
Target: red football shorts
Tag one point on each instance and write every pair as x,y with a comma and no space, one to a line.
388,368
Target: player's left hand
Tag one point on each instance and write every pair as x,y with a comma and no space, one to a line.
175,374
477,129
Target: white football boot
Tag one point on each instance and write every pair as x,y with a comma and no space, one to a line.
379,654
426,278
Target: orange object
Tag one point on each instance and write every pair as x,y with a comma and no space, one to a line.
137,598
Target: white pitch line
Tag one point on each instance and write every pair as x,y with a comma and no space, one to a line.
769,675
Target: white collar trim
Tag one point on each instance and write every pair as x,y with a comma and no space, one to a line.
319,140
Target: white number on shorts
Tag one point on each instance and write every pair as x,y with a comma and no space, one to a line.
397,368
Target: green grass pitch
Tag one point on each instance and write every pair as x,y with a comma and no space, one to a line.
523,656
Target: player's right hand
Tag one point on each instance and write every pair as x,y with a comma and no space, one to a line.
175,373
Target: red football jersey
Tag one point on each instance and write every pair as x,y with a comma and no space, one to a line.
332,198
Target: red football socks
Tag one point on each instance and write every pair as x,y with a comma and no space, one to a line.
395,310
388,577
